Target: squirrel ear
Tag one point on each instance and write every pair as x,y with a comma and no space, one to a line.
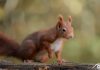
70,19
60,18
60,21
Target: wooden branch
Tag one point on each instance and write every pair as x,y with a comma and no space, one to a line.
42,66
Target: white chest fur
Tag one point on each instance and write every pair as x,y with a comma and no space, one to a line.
57,44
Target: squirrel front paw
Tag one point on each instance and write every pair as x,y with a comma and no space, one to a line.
59,61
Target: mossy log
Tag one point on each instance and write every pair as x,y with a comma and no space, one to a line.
41,66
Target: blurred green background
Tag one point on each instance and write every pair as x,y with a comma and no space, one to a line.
18,18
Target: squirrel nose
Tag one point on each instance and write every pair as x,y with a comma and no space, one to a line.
70,35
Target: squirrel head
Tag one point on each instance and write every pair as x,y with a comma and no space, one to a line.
64,28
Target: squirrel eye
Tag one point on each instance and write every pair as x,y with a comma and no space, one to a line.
64,30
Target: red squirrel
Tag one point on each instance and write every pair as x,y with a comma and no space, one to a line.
35,45
38,43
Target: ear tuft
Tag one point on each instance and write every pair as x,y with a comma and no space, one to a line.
70,19
60,17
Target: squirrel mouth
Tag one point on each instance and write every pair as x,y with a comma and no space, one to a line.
69,37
